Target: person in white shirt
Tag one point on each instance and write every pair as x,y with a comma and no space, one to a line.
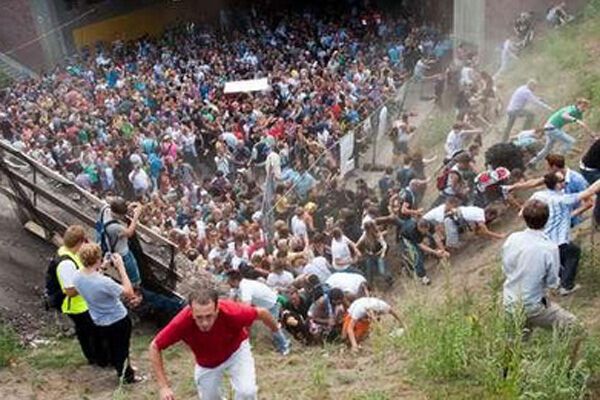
299,227
457,139
506,56
353,285
258,294
320,267
516,108
344,252
279,279
273,164
140,181
467,218
360,313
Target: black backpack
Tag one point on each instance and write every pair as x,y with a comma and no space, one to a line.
54,295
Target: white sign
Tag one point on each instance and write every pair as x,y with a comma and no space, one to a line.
250,85
382,128
347,153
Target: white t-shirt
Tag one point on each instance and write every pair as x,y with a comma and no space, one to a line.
319,267
299,228
454,143
139,179
340,253
273,164
346,281
360,307
280,281
257,293
472,213
437,214
66,270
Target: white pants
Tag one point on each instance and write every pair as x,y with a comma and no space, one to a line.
240,367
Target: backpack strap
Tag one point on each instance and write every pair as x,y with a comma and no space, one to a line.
111,244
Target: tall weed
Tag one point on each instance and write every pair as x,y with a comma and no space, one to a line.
10,346
467,340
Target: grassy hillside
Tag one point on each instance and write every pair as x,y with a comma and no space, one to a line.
457,344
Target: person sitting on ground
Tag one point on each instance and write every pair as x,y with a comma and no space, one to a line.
357,321
326,315
294,314
558,15
531,263
258,294
103,296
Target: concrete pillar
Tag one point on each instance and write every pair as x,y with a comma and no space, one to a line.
469,22
49,32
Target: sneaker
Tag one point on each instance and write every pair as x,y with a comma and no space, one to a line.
136,379
286,349
565,292
425,280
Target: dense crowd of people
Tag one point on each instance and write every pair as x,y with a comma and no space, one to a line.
148,122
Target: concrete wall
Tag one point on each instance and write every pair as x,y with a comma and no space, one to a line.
486,23
501,14
18,33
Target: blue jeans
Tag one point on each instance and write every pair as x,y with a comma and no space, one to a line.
552,136
161,302
592,176
132,269
374,264
413,256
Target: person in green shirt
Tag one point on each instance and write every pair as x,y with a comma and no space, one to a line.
555,125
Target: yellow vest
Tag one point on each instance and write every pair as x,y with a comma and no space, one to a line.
76,304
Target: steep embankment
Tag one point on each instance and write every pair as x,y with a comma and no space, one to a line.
455,345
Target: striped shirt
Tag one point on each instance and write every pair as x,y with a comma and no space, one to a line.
558,227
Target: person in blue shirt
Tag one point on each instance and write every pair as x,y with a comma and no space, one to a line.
303,183
574,183
156,166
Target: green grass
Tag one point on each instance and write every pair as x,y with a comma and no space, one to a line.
468,348
434,129
62,353
10,346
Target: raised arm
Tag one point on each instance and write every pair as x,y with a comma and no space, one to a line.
590,191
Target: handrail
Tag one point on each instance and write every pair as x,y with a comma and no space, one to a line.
49,173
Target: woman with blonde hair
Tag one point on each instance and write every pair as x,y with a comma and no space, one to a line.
103,296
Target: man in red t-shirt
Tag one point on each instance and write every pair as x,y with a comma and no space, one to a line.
217,333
